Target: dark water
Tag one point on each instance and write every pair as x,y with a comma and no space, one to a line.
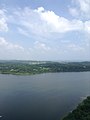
41,97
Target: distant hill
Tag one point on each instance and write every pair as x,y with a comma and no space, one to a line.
35,67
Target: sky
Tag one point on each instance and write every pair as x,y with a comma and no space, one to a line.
45,30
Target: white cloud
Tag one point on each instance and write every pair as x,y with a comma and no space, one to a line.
43,23
40,23
39,50
10,50
84,6
41,46
80,8
75,47
60,24
87,26
9,46
60,51
3,23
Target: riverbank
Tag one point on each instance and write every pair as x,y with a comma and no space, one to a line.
30,68
82,112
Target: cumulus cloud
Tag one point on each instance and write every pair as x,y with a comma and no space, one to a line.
81,8
58,23
3,23
42,22
60,51
9,46
10,50
41,46
40,50
84,6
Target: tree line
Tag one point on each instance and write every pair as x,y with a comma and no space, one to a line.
28,67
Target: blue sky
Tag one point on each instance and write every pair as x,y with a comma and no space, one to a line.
45,30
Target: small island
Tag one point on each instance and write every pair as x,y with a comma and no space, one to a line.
82,112
19,67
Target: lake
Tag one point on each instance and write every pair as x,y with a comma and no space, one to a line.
42,97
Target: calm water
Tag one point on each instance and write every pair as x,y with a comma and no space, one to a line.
41,97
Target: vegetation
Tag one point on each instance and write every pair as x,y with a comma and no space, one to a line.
36,67
82,112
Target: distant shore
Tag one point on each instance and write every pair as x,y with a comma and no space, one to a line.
29,74
35,67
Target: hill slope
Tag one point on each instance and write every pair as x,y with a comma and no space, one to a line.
82,112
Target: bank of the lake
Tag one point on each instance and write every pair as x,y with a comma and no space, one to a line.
32,67
82,112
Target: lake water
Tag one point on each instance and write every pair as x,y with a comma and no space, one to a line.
41,97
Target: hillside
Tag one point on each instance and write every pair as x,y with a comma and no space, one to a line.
82,112
35,67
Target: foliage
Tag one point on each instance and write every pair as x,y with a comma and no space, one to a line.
82,112
35,67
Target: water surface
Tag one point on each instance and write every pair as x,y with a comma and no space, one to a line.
41,97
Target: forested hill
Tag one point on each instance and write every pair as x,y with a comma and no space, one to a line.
35,67
82,112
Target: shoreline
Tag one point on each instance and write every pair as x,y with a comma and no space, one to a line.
29,74
79,110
